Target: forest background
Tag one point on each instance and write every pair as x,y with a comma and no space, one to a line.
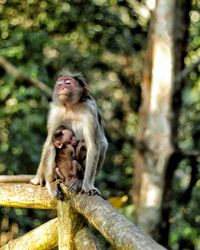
106,41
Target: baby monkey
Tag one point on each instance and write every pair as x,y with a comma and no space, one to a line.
70,158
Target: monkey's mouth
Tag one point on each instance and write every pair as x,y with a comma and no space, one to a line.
64,96
74,143
65,91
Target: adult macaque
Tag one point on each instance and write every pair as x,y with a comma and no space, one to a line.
73,107
70,158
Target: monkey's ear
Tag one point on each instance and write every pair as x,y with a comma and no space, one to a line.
85,91
58,144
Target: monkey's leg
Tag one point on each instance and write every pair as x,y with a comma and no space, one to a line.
39,178
74,184
49,172
59,174
103,149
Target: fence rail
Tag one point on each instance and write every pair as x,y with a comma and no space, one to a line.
70,231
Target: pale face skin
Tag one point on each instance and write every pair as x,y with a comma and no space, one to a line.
64,85
68,90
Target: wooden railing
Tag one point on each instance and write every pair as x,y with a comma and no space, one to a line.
69,230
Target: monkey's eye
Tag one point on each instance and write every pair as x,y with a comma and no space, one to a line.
59,134
67,82
69,141
60,83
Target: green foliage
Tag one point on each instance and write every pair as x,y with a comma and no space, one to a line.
185,221
97,38
105,40
102,39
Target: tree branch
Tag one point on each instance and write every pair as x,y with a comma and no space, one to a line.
187,195
41,238
140,145
73,229
25,196
16,178
118,230
186,71
184,153
7,66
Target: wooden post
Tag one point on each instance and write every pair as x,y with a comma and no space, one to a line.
66,226
73,232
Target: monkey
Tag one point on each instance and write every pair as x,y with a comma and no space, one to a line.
70,158
74,107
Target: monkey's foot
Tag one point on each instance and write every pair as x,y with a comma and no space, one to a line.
74,185
59,195
90,191
55,190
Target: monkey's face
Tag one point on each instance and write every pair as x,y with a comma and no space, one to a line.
68,90
69,138
65,137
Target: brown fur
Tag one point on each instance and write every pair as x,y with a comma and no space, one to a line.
70,160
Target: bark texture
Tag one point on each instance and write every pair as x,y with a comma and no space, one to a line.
155,123
42,238
73,232
118,230
25,196
181,24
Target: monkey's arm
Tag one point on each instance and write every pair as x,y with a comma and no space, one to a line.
47,160
81,152
45,172
74,183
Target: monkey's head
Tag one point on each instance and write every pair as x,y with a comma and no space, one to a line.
64,136
70,89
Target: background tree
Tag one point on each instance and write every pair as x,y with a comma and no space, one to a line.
160,113
160,154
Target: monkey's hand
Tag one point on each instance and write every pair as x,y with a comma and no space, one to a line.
89,189
55,190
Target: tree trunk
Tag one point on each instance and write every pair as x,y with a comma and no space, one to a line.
181,24
158,116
